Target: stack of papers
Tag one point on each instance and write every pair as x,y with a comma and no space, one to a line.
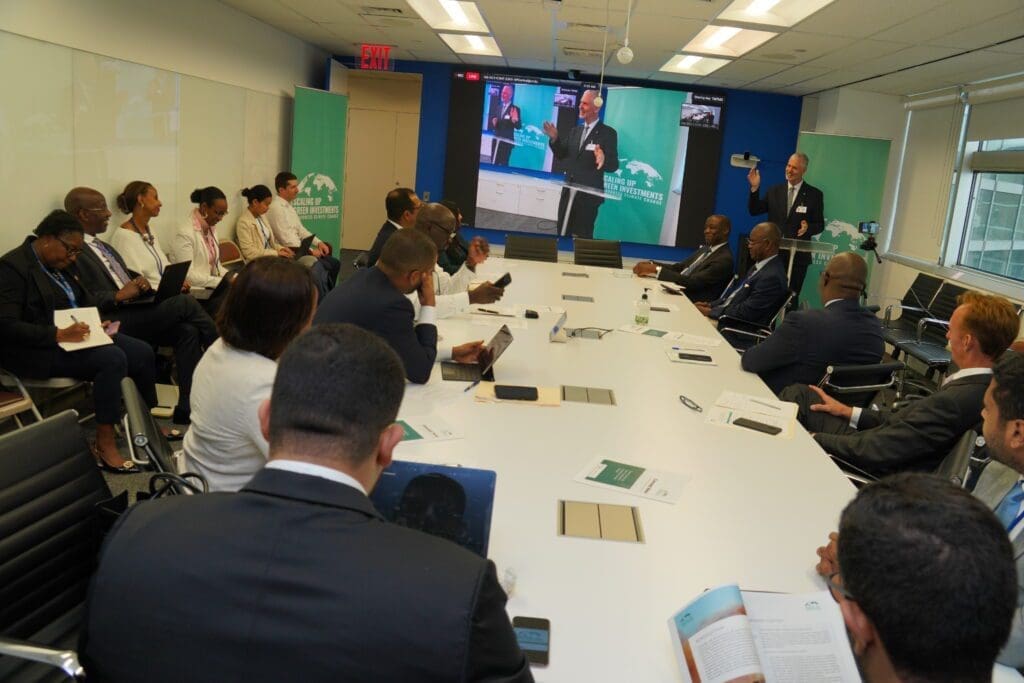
731,406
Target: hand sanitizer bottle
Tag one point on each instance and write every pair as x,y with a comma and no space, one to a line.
643,310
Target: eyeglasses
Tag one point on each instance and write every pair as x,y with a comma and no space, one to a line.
448,233
97,209
72,251
835,586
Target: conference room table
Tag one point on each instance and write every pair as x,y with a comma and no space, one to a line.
753,510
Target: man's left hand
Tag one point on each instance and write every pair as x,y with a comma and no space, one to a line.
704,307
803,229
468,352
485,293
599,156
515,115
322,249
645,269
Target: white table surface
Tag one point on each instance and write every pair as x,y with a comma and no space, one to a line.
753,510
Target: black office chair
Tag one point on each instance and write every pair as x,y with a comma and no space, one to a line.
966,461
857,385
742,334
531,248
603,253
147,439
361,261
929,342
52,502
914,305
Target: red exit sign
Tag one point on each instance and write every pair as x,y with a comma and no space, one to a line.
375,57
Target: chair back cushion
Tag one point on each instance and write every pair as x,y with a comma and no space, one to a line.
604,253
531,248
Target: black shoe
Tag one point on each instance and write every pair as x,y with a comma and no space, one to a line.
182,416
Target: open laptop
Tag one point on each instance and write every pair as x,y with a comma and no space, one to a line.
304,246
454,503
204,293
484,368
171,283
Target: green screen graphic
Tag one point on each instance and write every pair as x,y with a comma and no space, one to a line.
318,159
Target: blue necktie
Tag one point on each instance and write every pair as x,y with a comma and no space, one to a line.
112,262
1009,506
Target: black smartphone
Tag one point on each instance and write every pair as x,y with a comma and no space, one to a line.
695,356
503,281
512,392
669,290
756,426
534,636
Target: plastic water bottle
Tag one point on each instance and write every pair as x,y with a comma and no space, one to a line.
643,310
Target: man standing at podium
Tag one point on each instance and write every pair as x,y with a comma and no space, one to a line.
798,208
504,120
591,151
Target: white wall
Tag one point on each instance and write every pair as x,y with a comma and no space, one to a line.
186,94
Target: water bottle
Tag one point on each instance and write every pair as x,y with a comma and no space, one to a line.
643,310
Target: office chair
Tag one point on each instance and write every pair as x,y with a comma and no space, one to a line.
603,253
531,248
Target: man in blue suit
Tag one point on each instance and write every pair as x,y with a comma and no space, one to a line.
757,297
375,299
842,333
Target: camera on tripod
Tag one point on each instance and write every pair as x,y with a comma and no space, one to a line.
870,228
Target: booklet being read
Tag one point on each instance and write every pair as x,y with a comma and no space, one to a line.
732,636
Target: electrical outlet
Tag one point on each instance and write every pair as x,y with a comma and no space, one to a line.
426,195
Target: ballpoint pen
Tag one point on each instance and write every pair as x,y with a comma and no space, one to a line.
690,403
471,386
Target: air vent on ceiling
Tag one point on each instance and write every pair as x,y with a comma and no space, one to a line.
580,52
382,11
585,28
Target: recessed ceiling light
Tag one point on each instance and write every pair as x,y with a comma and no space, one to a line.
727,41
451,15
695,65
771,12
471,44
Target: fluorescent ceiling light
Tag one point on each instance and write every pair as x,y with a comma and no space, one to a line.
727,41
451,15
771,12
694,65
469,44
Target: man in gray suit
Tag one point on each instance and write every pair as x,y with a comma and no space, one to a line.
1000,485
919,435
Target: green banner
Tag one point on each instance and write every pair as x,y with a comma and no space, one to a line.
650,142
850,172
318,159
535,104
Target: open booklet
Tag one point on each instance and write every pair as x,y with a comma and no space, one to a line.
728,635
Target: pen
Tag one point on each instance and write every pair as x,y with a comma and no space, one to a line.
73,318
488,311
690,403
767,405
471,386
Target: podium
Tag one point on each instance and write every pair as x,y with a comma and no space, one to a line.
805,246
574,189
495,142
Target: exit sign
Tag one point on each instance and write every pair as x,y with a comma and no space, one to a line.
375,57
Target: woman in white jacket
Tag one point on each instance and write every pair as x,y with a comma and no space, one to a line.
196,239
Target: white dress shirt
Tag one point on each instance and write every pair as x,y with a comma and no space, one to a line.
149,260
700,259
452,292
284,221
225,443
309,469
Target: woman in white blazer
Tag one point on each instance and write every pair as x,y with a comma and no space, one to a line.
196,239
134,240
254,235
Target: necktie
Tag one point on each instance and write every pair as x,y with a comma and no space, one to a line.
1009,506
689,269
583,135
113,263
792,196
736,290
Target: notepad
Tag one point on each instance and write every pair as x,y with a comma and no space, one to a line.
90,315
599,521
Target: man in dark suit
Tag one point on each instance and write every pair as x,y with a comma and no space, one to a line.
797,207
913,557
375,299
757,297
297,577
504,120
591,150
35,280
178,321
807,342
401,205
707,271
920,435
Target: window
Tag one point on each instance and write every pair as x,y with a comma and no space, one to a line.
993,231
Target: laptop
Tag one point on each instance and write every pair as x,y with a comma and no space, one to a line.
454,503
171,283
303,248
204,293
484,367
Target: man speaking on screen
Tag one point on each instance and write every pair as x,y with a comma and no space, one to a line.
504,121
591,151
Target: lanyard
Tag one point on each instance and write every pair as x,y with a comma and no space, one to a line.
263,231
60,280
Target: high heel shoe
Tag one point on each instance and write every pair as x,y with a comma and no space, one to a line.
128,467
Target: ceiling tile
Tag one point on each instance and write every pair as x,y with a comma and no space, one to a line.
855,53
952,16
1015,47
791,76
749,70
998,29
795,47
909,57
863,18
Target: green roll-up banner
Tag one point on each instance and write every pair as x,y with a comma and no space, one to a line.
850,171
531,143
650,143
318,159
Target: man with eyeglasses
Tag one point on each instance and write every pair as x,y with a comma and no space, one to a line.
924,576
178,321
401,205
453,294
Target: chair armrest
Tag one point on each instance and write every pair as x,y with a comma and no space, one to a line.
760,337
65,660
925,322
903,307
852,472
752,327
